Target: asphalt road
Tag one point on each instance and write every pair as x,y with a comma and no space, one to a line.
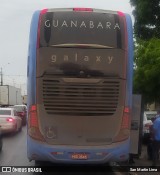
14,153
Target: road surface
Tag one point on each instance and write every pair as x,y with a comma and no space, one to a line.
14,153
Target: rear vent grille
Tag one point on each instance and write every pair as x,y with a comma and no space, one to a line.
72,98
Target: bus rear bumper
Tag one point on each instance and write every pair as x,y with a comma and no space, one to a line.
77,154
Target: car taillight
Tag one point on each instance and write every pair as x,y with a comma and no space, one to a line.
33,125
9,119
125,124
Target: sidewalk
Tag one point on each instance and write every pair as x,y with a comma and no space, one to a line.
143,159
144,162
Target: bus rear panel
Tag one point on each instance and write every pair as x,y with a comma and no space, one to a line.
79,86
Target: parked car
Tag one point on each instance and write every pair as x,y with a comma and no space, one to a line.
147,122
22,112
1,141
9,120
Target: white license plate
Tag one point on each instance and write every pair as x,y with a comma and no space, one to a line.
79,156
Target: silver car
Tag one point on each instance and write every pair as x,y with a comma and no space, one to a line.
9,120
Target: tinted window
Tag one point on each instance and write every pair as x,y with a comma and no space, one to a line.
82,28
5,112
150,116
19,108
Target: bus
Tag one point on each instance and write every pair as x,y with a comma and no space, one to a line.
79,86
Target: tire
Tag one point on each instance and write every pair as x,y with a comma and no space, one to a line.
38,163
16,128
20,129
24,122
41,163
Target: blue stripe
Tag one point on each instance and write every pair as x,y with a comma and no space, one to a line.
31,70
130,62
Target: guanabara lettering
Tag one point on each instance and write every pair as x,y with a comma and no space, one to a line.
82,24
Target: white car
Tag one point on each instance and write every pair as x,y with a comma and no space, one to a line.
147,122
9,120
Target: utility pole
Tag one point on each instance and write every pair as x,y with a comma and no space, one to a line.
2,74
1,77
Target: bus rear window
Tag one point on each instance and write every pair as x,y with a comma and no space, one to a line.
69,28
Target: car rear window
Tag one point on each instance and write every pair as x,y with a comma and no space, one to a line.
19,108
150,116
5,112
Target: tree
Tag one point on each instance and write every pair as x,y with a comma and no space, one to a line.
147,70
147,18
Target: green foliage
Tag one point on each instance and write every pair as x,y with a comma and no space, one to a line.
147,49
147,18
147,71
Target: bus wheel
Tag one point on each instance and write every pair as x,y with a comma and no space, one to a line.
40,163
43,163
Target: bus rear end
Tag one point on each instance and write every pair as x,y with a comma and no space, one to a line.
78,87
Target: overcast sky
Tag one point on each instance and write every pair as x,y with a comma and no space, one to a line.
15,18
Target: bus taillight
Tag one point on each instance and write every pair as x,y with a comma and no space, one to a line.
125,118
120,13
33,126
43,11
83,9
124,130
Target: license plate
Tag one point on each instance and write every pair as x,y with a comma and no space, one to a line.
79,156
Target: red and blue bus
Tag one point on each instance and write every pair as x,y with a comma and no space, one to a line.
80,69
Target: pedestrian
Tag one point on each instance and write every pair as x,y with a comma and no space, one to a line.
156,140
150,141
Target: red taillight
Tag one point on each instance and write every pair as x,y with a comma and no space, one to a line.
83,9
33,125
125,124
126,110
10,119
39,23
57,153
120,13
33,117
125,118
43,11
33,108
